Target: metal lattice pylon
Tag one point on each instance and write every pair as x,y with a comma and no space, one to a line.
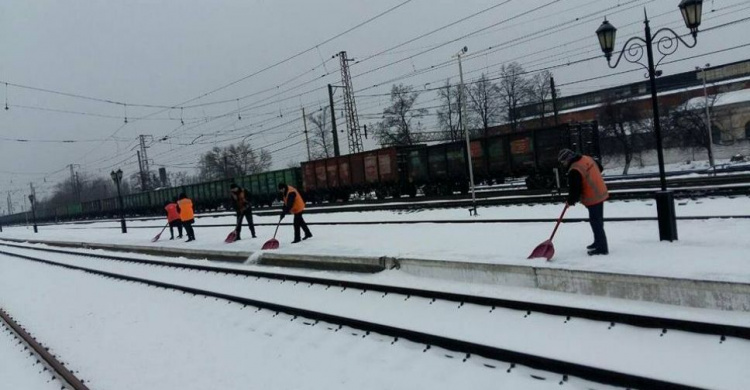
350,107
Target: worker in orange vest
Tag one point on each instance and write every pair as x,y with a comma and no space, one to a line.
243,208
186,215
293,203
173,217
587,186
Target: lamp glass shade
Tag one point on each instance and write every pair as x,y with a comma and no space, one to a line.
607,34
692,11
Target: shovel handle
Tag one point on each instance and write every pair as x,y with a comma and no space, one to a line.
277,229
557,225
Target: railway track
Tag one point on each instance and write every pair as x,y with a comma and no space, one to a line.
56,369
728,190
313,297
434,221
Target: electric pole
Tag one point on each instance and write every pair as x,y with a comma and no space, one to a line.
140,170
708,118
143,162
333,123
10,204
350,107
554,99
307,138
74,184
469,162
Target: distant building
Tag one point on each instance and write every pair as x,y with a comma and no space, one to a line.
731,82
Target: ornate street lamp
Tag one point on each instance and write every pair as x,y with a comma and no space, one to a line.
692,11
117,178
32,200
633,52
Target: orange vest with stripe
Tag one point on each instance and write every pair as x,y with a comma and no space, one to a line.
186,209
593,188
299,203
172,214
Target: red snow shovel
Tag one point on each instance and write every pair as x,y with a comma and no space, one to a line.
273,243
231,237
546,249
158,236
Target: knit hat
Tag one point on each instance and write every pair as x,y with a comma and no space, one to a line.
565,156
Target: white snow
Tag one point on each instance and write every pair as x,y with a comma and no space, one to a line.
19,369
722,99
120,335
707,250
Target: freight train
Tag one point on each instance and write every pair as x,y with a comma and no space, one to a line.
434,170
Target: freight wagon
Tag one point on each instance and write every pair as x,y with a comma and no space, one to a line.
441,169
206,196
388,172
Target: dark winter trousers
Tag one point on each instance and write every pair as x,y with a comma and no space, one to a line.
249,216
175,224
596,219
189,229
299,222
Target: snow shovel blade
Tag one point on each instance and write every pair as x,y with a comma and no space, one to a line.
544,250
232,237
155,239
271,244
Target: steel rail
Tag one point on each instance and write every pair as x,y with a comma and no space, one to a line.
643,321
49,359
438,221
643,194
563,368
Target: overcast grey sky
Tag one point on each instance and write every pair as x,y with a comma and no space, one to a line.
173,52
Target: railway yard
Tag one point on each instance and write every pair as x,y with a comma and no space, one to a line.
439,291
525,195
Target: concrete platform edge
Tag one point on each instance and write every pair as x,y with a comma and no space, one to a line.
706,294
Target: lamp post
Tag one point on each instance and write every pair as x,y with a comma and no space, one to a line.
708,117
32,200
469,162
117,178
633,52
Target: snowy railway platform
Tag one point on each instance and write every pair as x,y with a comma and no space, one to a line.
702,279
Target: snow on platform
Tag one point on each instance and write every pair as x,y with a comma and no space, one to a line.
713,250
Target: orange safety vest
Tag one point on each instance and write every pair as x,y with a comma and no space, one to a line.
299,203
172,214
593,188
186,209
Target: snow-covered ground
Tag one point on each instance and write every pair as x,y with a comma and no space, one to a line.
677,160
18,369
708,250
119,335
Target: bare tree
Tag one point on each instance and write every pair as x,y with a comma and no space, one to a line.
182,178
400,124
540,92
688,128
449,114
321,139
484,101
623,129
233,160
513,91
